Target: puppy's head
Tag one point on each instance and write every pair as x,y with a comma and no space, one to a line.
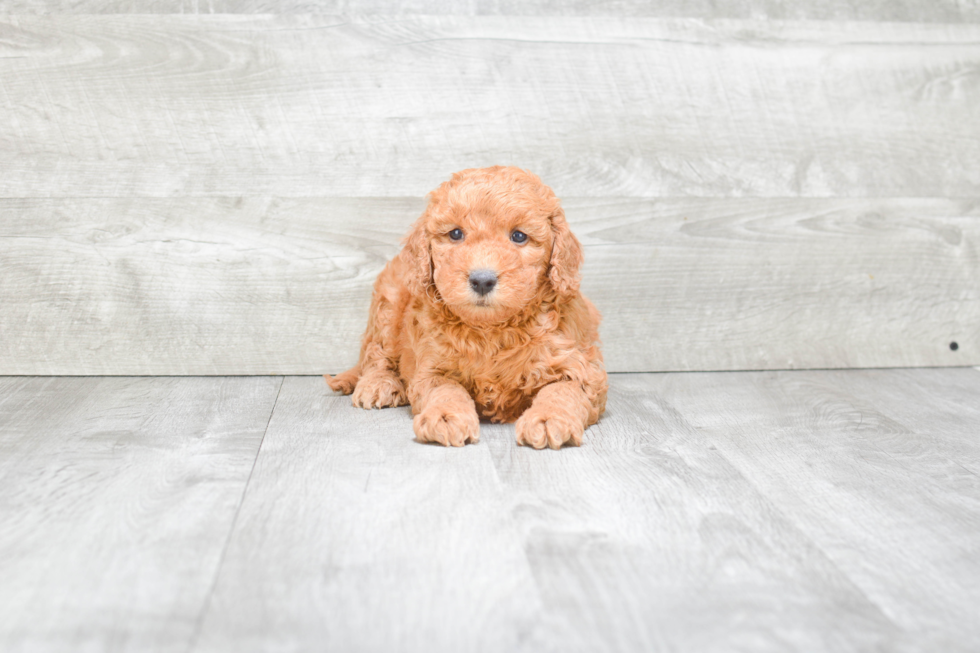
491,242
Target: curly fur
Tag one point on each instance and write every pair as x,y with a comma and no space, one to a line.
528,351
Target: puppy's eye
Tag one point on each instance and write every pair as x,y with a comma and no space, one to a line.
456,234
518,237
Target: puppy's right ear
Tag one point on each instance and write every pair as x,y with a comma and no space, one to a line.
419,257
566,257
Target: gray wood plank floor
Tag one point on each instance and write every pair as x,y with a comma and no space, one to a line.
116,499
816,510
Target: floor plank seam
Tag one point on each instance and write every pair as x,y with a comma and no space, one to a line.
206,605
789,518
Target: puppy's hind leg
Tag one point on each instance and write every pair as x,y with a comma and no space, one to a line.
344,382
379,385
380,388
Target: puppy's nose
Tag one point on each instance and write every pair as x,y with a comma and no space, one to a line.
483,281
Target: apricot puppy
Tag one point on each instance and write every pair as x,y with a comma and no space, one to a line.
480,315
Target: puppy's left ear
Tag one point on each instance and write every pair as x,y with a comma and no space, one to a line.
566,257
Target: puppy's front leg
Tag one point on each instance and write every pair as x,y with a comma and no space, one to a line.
444,413
559,414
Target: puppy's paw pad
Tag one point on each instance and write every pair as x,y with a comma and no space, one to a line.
379,391
540,429
448,427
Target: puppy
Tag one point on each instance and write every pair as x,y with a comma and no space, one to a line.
480,315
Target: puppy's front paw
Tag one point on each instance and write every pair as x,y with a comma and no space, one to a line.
540,428
452,426
379,391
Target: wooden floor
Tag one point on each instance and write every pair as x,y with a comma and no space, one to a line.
817,511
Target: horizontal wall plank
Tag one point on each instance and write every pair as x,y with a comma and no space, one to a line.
785,284
118,499
126,105
949,11
274,286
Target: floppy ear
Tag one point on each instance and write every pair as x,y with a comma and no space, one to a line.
566,257
419,258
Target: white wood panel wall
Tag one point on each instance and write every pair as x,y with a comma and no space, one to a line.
168,106
952,11
214,194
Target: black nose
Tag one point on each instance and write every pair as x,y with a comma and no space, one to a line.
483,281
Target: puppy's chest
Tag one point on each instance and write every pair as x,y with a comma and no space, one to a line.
501,378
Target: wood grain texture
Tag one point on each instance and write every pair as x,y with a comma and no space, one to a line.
116,500
938,412
354,537
647,538
260,286
123,105
892,500
807,510
950,11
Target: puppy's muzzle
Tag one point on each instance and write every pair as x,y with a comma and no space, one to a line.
483,281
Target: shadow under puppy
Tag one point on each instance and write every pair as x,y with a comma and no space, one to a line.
480,315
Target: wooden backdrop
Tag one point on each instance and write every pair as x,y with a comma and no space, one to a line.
210,187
